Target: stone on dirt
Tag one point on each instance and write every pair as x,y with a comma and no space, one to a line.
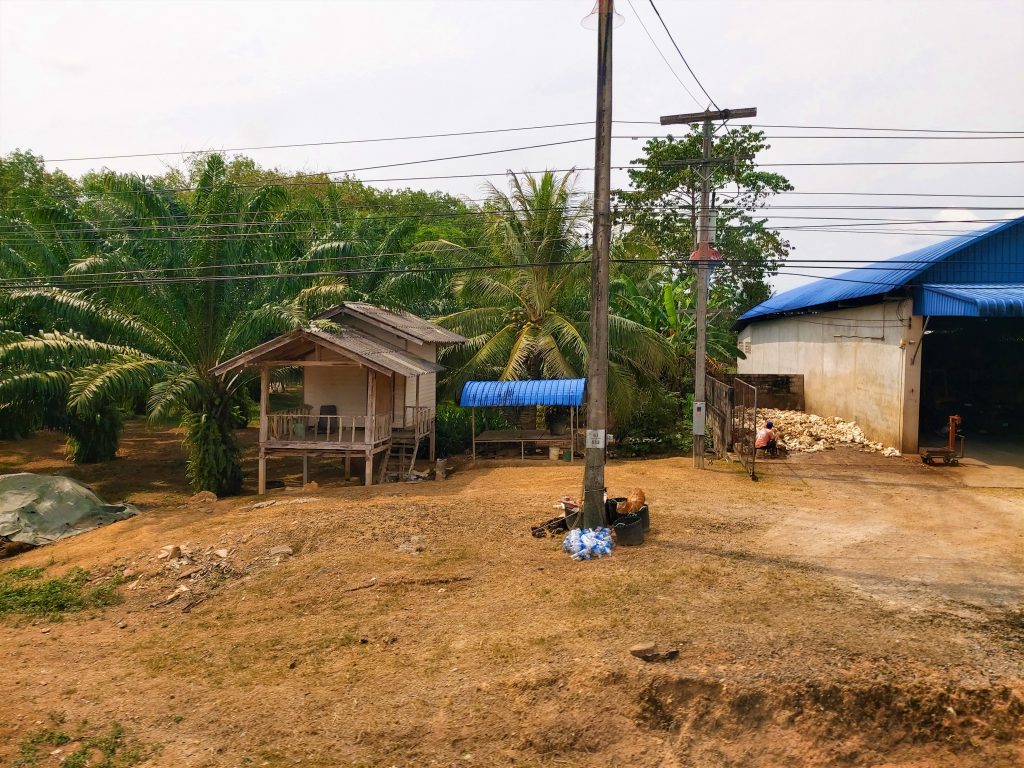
643,649
169,552
282,549
413,545
221,553
203,497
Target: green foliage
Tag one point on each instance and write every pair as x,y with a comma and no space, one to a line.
159,341
659,423
454,426
28,750
39,373
528,317
77,353
111,750
17,421
23,590
94,437
663,204
214,457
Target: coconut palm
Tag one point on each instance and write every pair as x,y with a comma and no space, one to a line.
182,282
524,296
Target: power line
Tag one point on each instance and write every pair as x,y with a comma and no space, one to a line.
894,138
545,126
893,130
658,49
79,285
283,226
91,278
679,51
309,179
334,142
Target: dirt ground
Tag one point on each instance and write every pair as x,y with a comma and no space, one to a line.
846,610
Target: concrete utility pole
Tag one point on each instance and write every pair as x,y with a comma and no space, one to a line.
704,258
597,364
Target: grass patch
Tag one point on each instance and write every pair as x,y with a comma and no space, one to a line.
24,590
112,749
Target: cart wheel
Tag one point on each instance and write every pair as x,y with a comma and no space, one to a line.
954,462
927,460
946,461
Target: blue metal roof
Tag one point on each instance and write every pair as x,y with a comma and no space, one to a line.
517,393
873,279
999,300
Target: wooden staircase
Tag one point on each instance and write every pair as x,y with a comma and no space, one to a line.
401,454
405,442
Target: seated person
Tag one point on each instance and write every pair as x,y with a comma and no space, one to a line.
766,440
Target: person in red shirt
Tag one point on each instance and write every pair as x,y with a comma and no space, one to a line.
766,440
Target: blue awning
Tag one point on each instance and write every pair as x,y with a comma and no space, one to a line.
518,393
971,300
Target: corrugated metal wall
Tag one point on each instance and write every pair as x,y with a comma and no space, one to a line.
995,259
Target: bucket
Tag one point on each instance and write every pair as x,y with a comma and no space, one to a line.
553,453
645,517
566,455
629,531
611,508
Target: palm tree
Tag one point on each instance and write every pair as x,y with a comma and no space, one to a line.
524,296
182,282
41,234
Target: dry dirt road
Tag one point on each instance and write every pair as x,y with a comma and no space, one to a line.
845,610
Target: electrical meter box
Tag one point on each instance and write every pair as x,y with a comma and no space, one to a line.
698,418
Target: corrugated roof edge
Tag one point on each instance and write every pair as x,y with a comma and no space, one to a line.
868,281
400,322
491,394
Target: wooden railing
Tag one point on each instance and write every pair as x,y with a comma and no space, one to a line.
419,418
299,427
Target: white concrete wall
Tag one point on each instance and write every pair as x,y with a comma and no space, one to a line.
860,364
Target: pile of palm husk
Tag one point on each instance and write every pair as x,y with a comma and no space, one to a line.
808,432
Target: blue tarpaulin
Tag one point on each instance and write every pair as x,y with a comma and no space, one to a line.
486,394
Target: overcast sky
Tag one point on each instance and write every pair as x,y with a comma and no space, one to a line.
105,78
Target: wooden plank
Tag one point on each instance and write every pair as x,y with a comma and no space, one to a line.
247,357
292,445
700,117
264,404
311,363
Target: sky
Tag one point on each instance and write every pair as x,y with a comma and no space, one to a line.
111,78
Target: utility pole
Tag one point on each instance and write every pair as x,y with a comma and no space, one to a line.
597,363
705,257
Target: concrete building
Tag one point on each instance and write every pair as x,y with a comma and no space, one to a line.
901,344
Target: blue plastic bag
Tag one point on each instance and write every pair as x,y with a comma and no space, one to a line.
588,543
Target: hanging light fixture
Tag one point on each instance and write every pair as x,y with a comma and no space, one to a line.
590,21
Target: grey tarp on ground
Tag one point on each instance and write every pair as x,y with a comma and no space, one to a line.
41,509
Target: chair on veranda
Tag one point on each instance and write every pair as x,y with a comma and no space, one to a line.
323,424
